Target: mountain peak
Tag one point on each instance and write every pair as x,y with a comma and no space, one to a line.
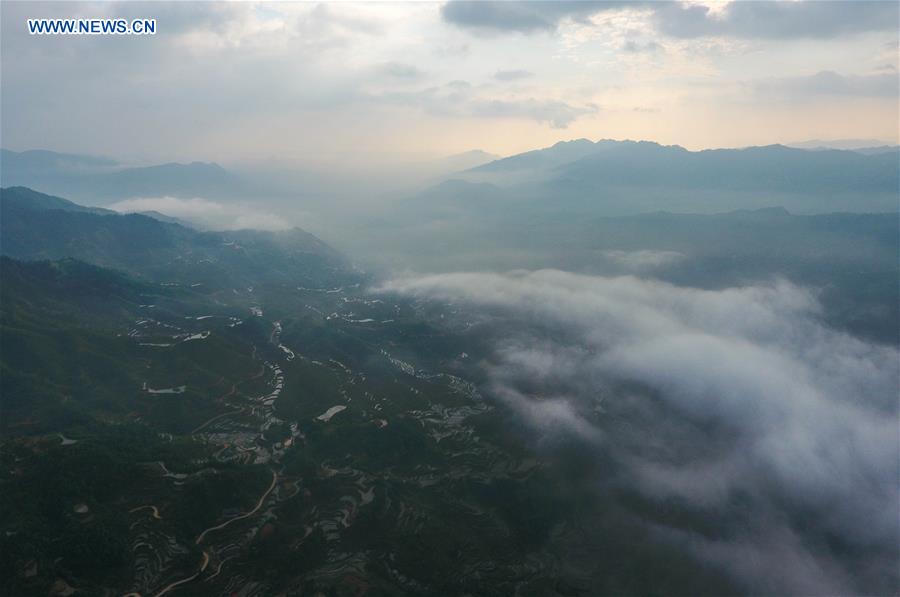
572,142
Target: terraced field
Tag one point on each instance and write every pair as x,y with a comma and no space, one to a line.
299,441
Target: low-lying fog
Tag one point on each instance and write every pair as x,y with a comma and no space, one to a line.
738,404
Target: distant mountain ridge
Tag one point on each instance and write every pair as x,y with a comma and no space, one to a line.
880,149
33,160
620,177
467,160
558,154
767,168
846,144
104,180
41,201
38,226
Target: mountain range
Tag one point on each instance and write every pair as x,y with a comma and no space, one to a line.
606,177
622,177
102,180
39,226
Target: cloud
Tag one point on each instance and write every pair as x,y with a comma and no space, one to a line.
748,20
556,113
322,64
550,415
512,75
738,403
776,20
521,17
830,83
458,50
460,99
205,214
637,261
399,70
633,47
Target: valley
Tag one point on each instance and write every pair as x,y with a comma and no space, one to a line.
250,413
275,439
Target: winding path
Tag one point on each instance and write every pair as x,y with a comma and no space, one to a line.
202,535
203,566
206,557
219,569
153,509
259,504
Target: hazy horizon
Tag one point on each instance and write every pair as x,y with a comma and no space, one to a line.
322,84
839,144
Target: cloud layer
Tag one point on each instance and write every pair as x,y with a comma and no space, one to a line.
460,99
205,214
643,260
776,20
763,19
738,396
523,17
829,84
357,82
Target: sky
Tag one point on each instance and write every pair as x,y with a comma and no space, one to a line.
386,82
